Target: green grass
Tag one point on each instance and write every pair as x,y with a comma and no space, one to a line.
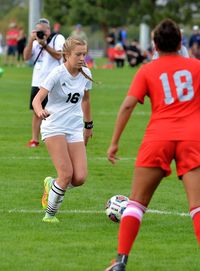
83,241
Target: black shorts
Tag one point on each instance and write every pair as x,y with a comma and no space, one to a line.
34,91
11,51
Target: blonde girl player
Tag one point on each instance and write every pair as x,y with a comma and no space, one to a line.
172,83
66,123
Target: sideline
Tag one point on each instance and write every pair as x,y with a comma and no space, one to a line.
151,211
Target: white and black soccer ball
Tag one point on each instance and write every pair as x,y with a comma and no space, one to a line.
115,207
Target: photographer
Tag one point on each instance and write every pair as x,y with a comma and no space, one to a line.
44,50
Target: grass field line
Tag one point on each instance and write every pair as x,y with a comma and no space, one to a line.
74,211
109,113
48,158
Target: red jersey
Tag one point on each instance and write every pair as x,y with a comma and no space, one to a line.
173,86
12,36
119,53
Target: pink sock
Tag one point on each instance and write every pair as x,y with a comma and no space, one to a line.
129,226
195,214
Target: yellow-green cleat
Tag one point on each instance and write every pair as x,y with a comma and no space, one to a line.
50,219
47,186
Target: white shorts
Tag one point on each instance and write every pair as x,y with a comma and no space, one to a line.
71,138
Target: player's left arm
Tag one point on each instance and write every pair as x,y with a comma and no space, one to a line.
87,116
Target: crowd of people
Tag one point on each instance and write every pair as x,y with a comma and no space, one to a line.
15,41
120,49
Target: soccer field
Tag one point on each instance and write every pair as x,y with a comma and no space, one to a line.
85,239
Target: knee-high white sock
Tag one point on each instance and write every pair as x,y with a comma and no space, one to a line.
56,196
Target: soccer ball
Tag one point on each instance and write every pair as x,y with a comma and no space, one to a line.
1,71
115,207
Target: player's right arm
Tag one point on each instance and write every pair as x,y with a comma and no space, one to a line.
123,116
37,104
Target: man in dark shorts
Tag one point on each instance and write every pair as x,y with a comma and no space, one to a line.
44,49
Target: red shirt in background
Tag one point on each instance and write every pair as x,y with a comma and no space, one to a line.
12,37
119,53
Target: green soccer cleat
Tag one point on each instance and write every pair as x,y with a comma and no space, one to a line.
50,219
47,186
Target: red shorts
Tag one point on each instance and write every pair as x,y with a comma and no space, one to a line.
161,153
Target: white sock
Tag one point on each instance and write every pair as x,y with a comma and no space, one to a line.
56,196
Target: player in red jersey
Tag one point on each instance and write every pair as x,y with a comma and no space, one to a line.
172,84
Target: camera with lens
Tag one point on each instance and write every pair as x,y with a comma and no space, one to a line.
40,34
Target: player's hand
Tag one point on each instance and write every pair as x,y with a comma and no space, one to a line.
111,153
43,114
86,135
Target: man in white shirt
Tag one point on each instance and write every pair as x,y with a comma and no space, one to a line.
44,49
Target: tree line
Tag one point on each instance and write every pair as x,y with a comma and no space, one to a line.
109,13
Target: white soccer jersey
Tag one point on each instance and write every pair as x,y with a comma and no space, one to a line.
64,101
45,62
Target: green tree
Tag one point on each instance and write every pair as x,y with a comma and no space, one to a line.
6,6
57,11
108,13
152,11
89,12
13,10
102,12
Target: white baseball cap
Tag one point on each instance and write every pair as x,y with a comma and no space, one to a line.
195,27
43,21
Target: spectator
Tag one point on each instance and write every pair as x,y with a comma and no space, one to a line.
194,43
89,61
56,28
21,43
111,41
79,33
119,55
11,43
184,40
1,43
45,51
111,38
134,54
122,37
